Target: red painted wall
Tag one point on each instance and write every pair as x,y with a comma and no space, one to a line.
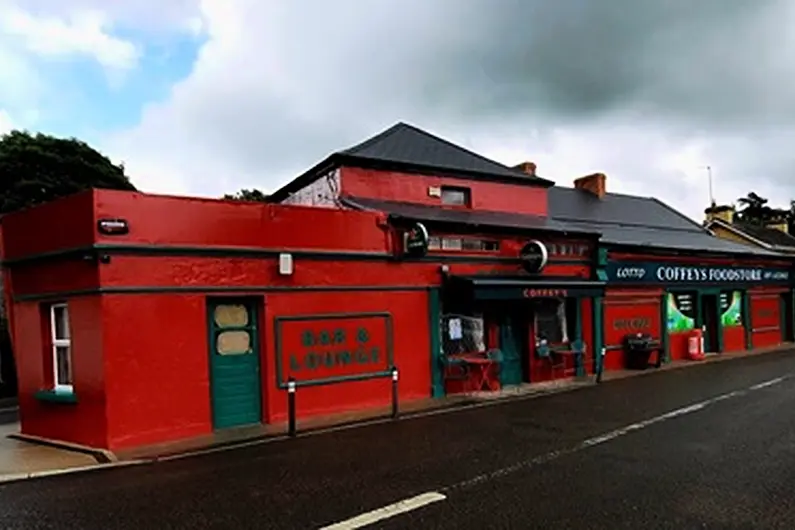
411,351
181,221
62,224
84,422
765,320
733,338
404,187
157,367
628,311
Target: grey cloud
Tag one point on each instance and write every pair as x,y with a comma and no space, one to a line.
715,60
286,88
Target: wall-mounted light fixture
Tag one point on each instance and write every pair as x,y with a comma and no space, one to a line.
285,264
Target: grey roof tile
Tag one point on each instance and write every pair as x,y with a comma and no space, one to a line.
405,144
771,236
638,221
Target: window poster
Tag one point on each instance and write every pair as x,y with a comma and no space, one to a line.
681,312
731,307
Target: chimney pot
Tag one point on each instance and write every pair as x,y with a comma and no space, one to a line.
595,183
528,168
724,212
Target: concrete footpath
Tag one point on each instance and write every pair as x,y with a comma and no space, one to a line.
19,459
25,457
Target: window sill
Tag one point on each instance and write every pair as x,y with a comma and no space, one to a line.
56,396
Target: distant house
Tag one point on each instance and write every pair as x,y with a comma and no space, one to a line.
775,236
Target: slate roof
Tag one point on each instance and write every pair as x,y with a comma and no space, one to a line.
473,218
404,146
638,221
770,236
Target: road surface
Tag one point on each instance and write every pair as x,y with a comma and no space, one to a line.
706,447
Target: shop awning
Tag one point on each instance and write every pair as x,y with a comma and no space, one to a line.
521,287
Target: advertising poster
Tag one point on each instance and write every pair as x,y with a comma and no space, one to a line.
731,306
680,311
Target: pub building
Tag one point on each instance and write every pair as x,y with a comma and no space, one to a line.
142,319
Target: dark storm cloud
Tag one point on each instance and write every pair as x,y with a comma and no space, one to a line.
714,60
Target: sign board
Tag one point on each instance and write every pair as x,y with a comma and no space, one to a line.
672,274
417,240
545,293
534,256
113,227
331,347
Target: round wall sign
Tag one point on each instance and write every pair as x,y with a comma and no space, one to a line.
534,256
417,240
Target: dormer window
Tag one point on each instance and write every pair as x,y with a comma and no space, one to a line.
456,196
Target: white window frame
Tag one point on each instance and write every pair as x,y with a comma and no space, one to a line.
60,343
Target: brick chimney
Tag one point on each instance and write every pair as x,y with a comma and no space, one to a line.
780,225
595,183
724,212
528,168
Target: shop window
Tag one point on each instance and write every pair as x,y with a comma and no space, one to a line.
456,196
231,316
556,320
452,243
233,343
61,344
465,244
462,334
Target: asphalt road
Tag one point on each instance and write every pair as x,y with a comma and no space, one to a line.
705,447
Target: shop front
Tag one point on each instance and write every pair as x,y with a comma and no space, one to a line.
736,305
532,328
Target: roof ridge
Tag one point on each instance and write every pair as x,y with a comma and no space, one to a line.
465,149
373,140
680,214
405,125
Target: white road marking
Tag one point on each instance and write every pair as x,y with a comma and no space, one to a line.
772,382
386,512
9,409
608,436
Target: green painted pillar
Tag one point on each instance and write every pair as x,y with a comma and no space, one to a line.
666,351
598,333
747,320
434,325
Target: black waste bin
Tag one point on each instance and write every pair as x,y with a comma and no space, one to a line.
638,348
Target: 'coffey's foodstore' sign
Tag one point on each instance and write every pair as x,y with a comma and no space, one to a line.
694,274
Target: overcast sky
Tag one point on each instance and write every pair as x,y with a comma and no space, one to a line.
206,97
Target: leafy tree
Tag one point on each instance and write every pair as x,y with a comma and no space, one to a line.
39,168
755,210
252,195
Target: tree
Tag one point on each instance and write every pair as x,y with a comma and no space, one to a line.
39,168
252,195
755,210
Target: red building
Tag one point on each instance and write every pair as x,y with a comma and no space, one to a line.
138,319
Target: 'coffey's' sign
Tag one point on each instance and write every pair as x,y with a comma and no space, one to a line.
694,274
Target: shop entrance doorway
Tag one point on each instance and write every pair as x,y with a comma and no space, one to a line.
786,317
711,323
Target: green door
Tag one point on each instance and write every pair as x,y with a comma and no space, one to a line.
234,363
511,365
